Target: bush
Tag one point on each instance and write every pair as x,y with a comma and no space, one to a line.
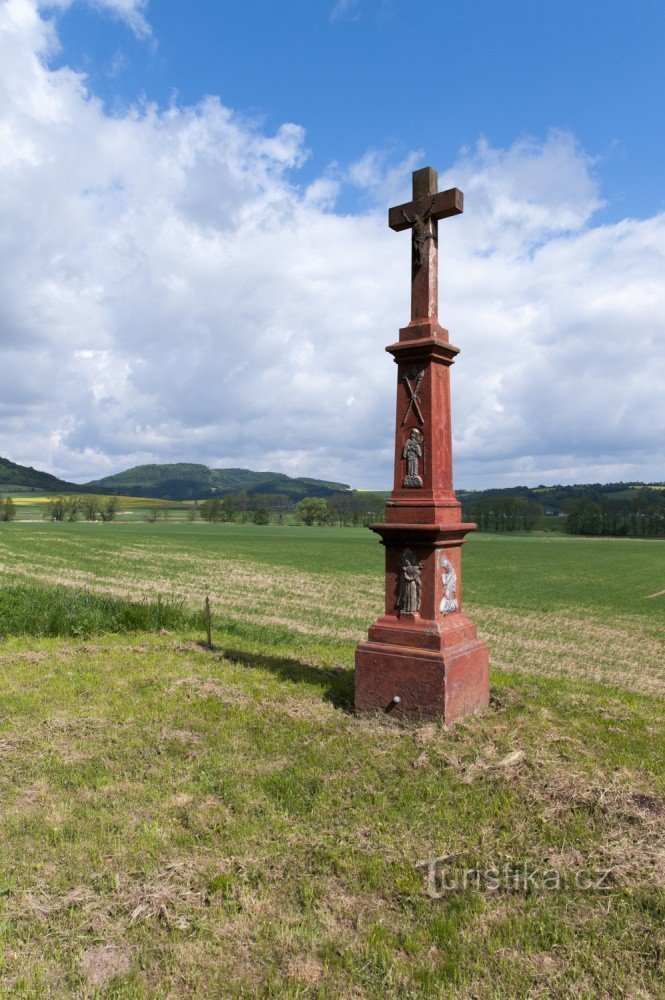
261,515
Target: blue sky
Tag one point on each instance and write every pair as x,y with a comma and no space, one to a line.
400,75
194,258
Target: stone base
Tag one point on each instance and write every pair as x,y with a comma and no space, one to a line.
446,683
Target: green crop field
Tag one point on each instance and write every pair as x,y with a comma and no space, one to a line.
181,821
32,506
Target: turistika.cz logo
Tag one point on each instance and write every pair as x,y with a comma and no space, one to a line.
509,877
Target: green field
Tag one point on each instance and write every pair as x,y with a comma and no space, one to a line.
31,506
178,821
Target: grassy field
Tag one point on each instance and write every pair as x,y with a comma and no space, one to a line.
178,821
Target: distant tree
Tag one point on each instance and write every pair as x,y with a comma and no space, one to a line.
193,513
324,515
91,506
243,504
360,506
109,509
368,508
534,515
341,506
260,509
230,507
313,510
7,509
615,516
211,509
55,509
583,516
262,514
69,509
280,506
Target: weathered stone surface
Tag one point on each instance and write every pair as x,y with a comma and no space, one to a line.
423,656
415,683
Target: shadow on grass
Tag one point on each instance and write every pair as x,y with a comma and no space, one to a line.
336,682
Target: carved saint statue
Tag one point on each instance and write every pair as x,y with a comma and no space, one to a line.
408,598
449,602
413,452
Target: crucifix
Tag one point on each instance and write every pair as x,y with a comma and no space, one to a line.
421,215
423,655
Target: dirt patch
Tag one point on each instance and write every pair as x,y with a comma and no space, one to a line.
306,970
301,708
172,897
206,687
184,736
104,962
165,897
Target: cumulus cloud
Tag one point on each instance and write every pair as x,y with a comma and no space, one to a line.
170,290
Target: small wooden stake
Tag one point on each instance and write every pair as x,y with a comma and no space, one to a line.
208,622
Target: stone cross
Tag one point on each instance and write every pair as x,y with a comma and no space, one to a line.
422,215
423,655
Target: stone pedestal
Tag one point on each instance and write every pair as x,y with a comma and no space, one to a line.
423,656
424,663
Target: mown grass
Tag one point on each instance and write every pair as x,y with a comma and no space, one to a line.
184,822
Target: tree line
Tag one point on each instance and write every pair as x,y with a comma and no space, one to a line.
504,512
641,515
258,508
88,507
345,508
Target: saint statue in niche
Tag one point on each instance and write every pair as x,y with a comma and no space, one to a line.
449,602
408,598
413,452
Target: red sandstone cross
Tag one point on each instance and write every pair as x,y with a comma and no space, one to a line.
423,655
422,215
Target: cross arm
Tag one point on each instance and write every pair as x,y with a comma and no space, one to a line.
440,206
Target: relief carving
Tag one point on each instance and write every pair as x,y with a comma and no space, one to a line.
412,452
449,602
417,374
408,597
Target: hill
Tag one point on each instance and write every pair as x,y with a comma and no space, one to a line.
19,478
192,481
553,498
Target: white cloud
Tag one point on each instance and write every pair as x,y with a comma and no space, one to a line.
168,292
132,12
